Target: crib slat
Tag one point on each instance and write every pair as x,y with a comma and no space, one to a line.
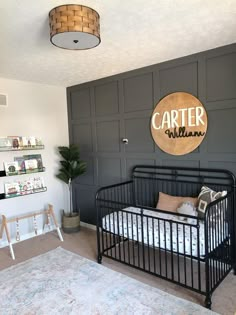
220,238
118,228
191,252
178,262
132,240
153,246
224,236
212,247
148,246
142,236
171,253
123,236
115,233
137,240
128,237
217,242
110,235
198,253
159,246
164,221
185,272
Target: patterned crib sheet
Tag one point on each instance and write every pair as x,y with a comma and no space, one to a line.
158,231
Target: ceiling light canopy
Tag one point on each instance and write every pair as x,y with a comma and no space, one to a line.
74,27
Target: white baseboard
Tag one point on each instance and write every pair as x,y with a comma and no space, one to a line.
4,243
89,226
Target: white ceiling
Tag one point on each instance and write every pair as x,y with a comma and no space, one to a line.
134,34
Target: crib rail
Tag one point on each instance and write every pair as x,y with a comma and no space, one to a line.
177,181
219,238
118,193
132,238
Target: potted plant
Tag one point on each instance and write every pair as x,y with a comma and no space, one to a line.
70,168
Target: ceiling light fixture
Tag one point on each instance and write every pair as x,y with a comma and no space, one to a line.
74,27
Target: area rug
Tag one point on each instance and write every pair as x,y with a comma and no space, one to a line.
61,282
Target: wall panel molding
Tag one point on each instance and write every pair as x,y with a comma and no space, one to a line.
106,99
103,112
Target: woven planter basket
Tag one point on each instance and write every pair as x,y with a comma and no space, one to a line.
70,224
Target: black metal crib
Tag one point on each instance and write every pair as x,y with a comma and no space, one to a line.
196,254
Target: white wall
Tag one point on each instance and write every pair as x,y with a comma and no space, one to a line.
34,110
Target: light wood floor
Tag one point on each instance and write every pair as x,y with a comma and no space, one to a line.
84,244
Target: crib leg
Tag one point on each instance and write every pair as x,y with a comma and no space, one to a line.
208,301
99,258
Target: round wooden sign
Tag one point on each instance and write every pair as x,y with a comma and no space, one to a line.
179,123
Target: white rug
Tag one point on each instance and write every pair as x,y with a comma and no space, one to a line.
61,282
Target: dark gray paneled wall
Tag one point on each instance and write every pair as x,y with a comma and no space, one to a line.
103,112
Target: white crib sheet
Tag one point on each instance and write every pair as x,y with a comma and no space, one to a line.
158,232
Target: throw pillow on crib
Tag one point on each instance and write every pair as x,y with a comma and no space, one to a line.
187,208
171,203
206,196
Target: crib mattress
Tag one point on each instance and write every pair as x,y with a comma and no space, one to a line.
176,236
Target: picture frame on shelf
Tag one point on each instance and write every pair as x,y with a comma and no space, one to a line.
38,184
11,190
36,157
21,164
31,166
28,142
39,142
15,142
11,168
26,186
5,143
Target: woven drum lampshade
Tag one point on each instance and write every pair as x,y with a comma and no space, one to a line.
74,27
